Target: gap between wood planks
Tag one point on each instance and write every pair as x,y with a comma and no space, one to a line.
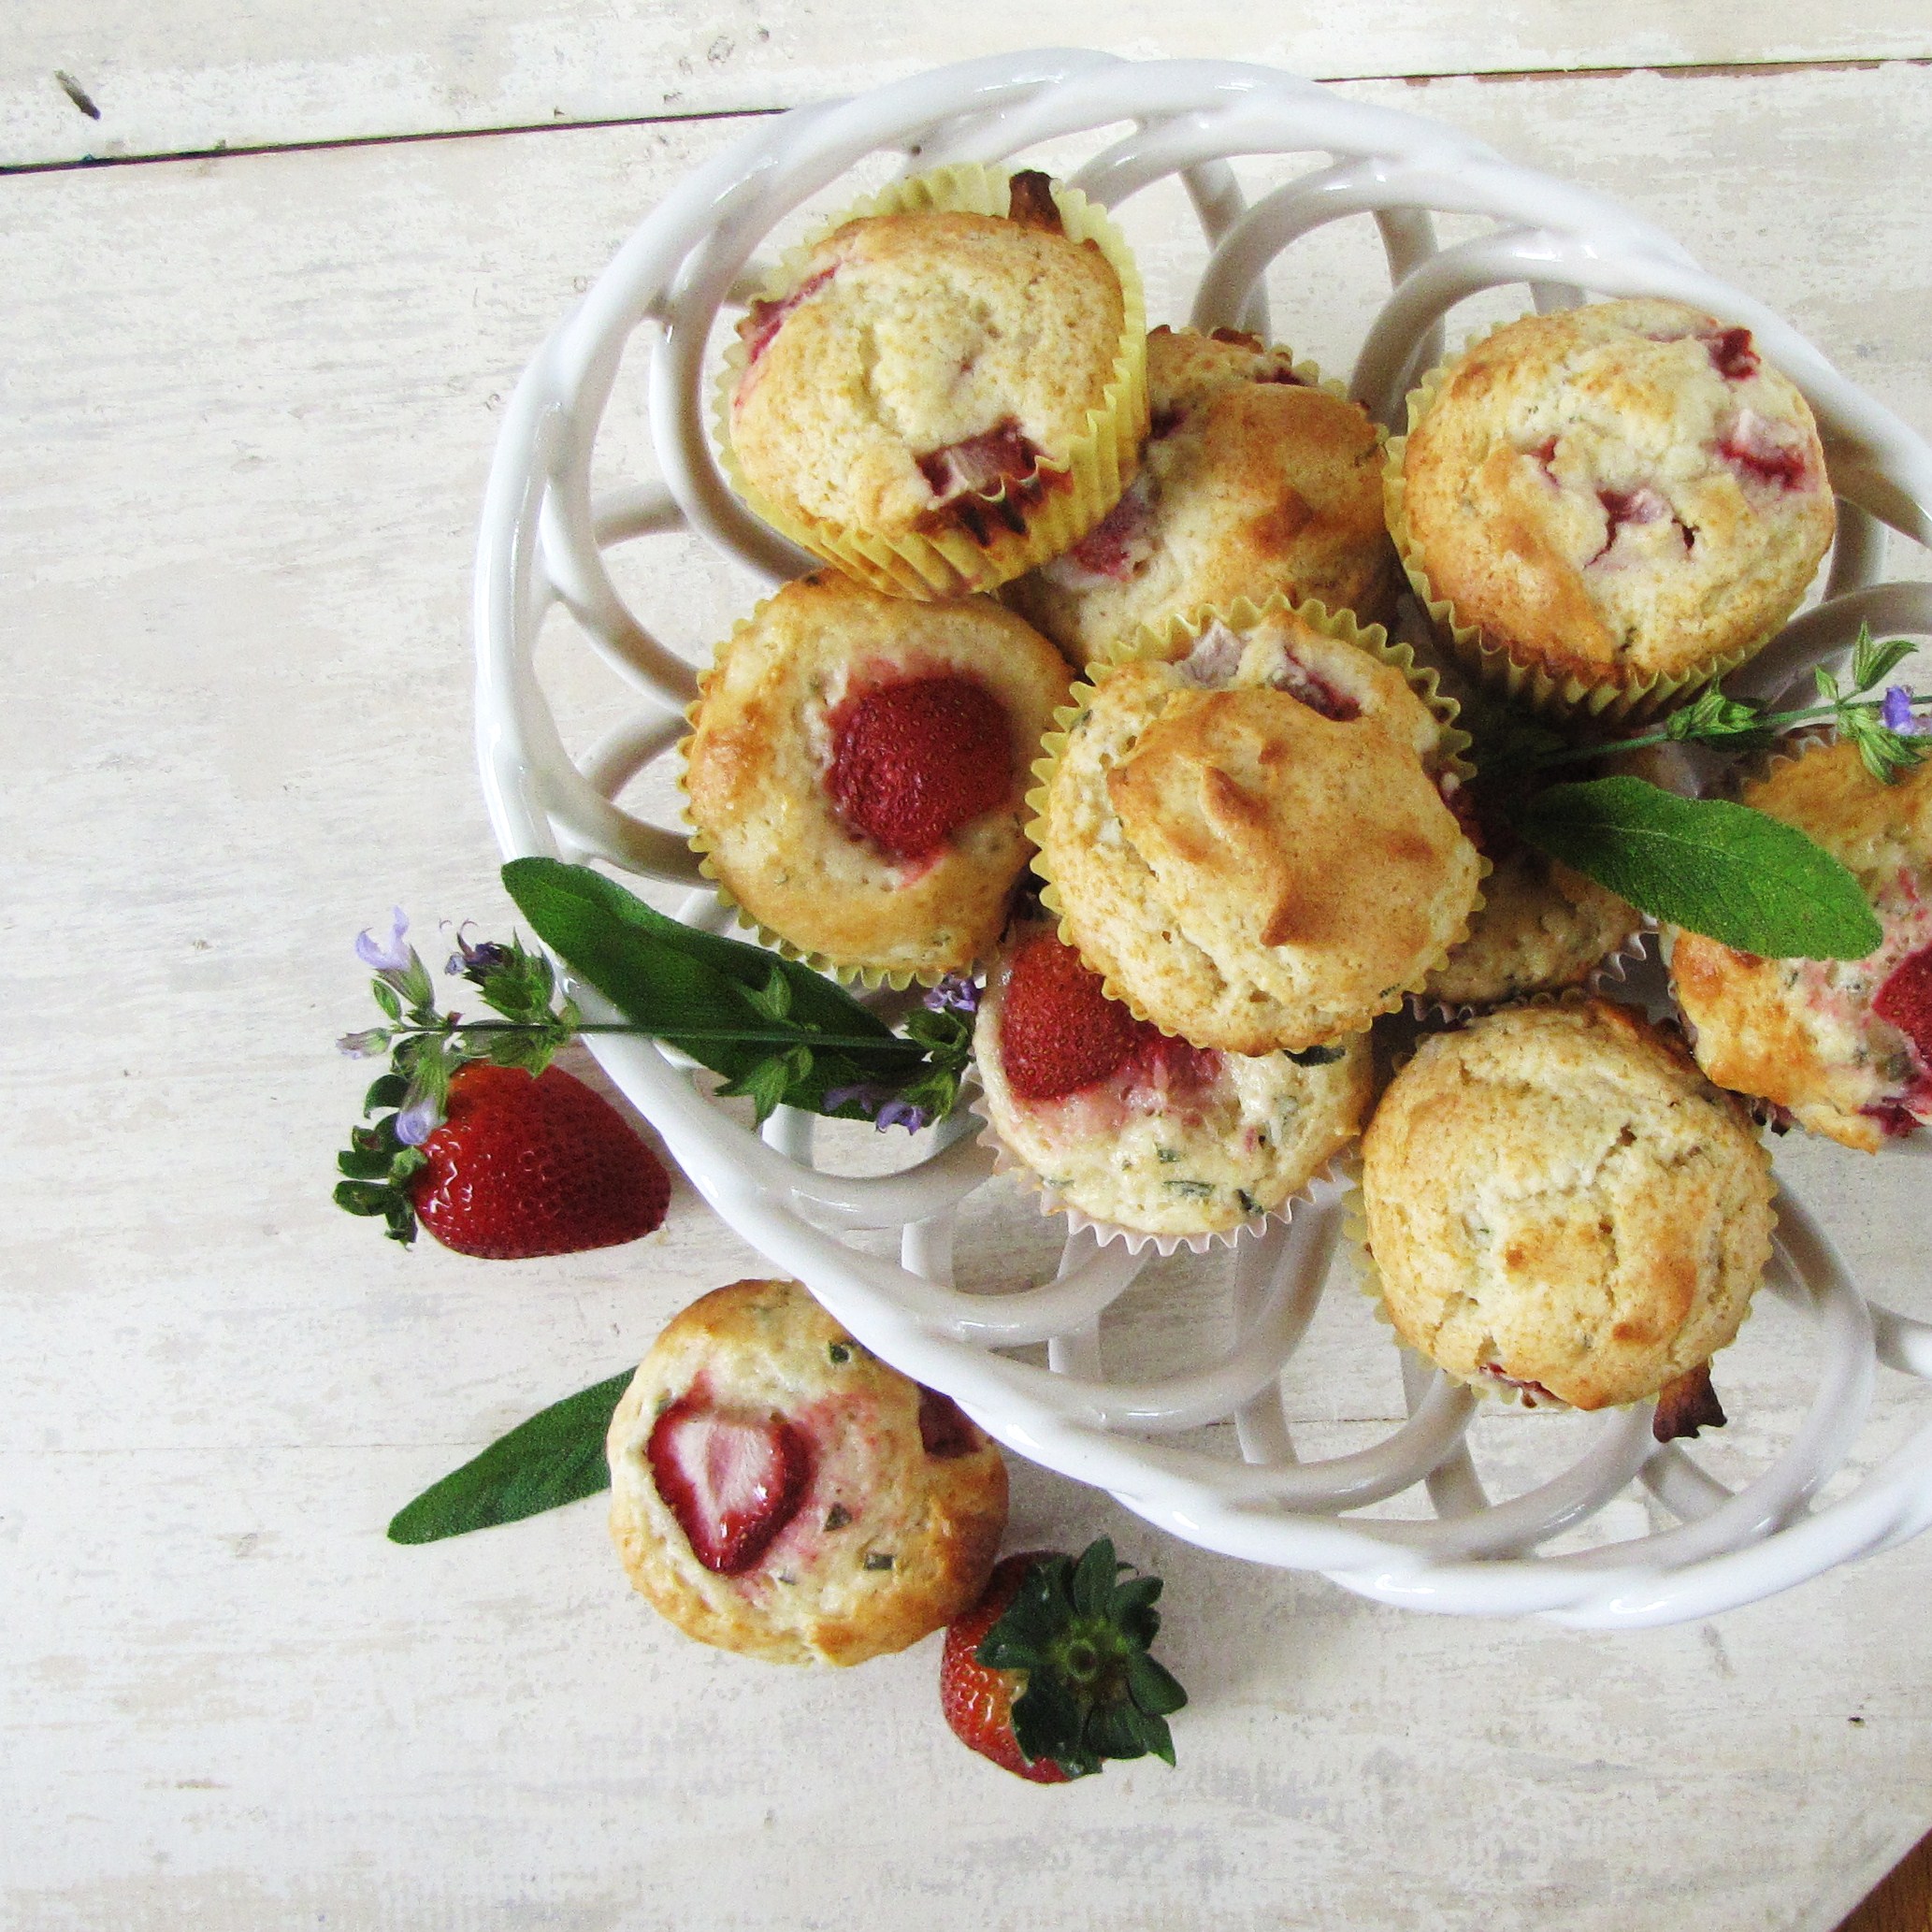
222,150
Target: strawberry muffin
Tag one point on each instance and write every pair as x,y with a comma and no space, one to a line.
855,769
1255,844
1139,1130
1845,1045
949,387
776,1490
1541,928
1254,479
1557,1203
1613,504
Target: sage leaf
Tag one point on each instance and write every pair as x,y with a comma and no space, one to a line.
711,997
1736,876
557,1457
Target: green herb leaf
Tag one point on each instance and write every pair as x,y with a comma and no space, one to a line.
555,1458
1736,875
703,994
1873,662
1712,718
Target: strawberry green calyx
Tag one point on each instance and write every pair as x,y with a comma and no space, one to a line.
1082,1634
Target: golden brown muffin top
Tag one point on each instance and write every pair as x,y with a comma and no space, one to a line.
1621,492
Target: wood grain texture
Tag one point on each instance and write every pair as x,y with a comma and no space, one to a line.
248,409
197,74
1904,1902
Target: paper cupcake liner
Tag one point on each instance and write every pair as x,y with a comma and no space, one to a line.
1524,680
847,973
1051,1202
1084,482
1169,642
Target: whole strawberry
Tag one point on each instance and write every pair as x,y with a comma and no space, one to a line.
476,1136
525,1167
520,1167
1049,1673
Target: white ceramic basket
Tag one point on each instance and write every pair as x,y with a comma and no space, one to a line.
543,544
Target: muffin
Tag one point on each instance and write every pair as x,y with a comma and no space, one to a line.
1136,1130
1253,843
1558,1203
1254,480
1541,928
946,388
1845,1045
1610,505
776,1490
855,769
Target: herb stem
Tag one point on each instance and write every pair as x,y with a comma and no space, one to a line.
747,1035
1773,720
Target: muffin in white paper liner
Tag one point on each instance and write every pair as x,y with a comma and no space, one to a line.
1099,1170
1612,968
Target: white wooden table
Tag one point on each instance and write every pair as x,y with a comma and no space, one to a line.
248,402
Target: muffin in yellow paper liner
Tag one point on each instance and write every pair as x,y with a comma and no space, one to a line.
1164,1145
1761,567
1259,476
1553,1201
758,767
1245,826
977,537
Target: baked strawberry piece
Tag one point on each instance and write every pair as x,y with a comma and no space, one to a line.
856,770
777,1490
916,758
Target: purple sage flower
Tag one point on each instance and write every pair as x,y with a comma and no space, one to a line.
1896,711
867,1094
486,957
901,1113
390,955
417,1121
954,994
365,1045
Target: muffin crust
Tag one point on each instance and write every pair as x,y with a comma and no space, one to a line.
1254,480
761,754
1557,1201
1252,843
1204,1151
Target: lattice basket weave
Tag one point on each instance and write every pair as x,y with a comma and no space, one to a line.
543,543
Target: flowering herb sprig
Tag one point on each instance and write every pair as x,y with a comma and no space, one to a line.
778,1031
1707,865
1888,734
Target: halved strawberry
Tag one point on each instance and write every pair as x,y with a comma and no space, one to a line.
912,762
1060,1032
733,1480
1049,1673
1906,1001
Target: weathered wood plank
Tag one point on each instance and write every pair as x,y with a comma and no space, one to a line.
198,75
249,404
